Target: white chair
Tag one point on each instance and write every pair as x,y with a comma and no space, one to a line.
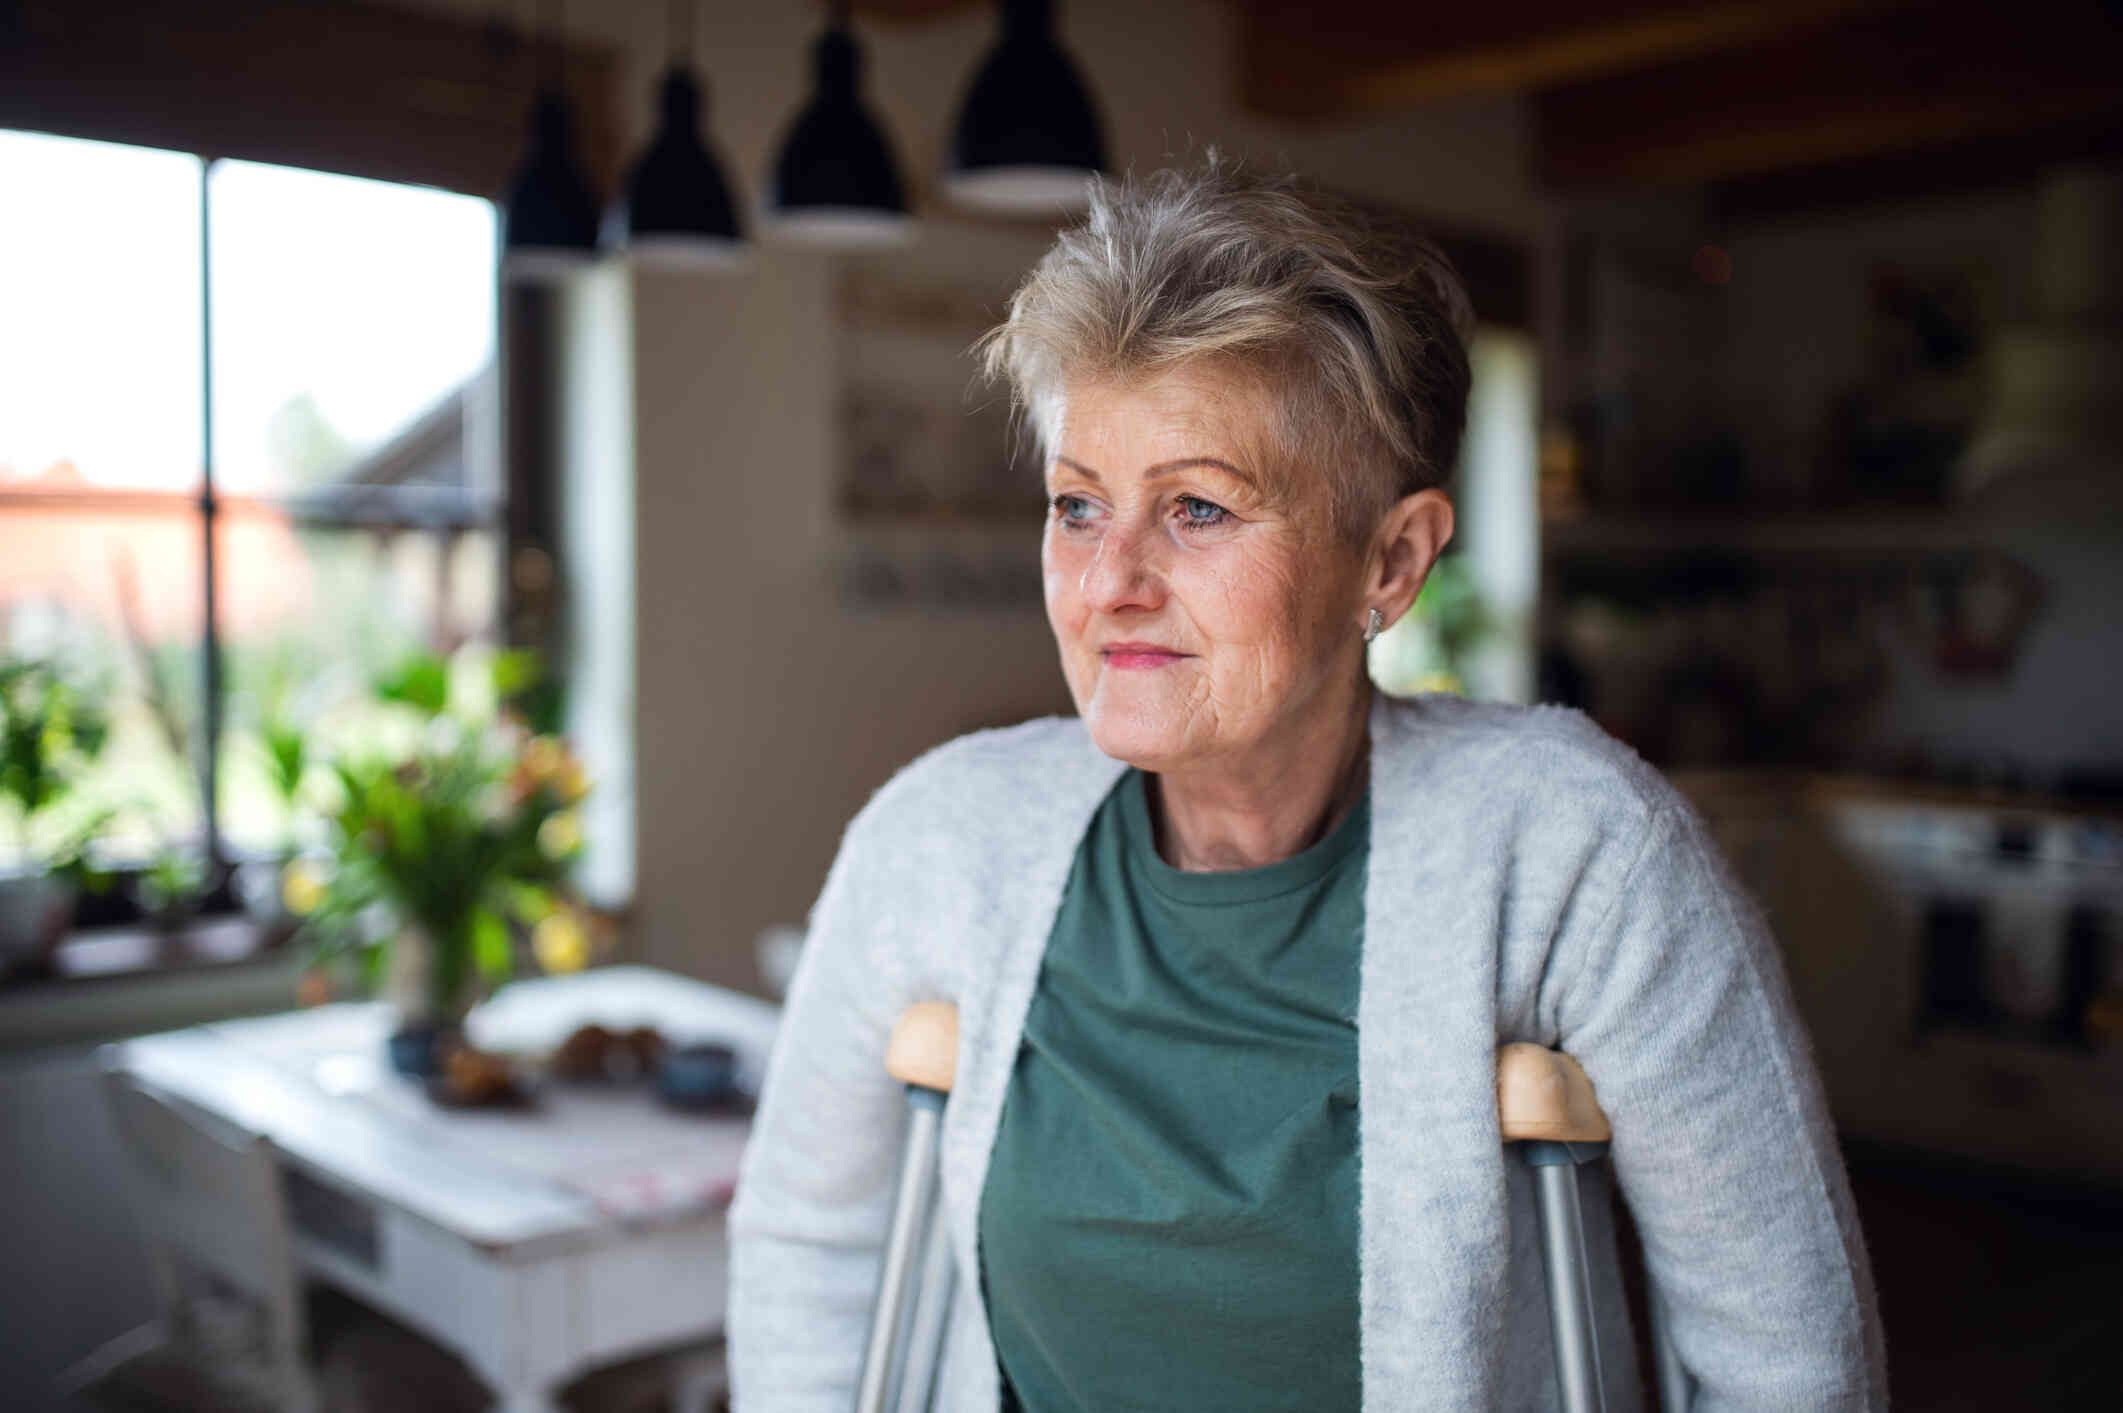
209,1202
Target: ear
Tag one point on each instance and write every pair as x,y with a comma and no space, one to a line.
1414,533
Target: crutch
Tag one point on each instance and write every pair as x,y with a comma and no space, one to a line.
907,1322
1546,1108
1545,1105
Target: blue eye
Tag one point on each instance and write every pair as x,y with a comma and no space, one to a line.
1194,511
1071,510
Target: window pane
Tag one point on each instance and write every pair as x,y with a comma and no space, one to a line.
113,594
349,318
99,338
312,617
353,328
100,397
1471,630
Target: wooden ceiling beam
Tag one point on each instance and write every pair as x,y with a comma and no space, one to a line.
908,11
1871,87
1306,60
1997,163
368,89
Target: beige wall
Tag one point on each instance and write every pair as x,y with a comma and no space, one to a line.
768,708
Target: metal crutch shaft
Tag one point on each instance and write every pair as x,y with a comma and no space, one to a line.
1577,1349
916,1377
1676,1389
923,1056
903,1245
1546,1104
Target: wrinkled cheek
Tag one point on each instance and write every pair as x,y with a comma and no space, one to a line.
1065,618
1262,659
1060,581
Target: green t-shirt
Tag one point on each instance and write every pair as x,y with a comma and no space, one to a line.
1170,1216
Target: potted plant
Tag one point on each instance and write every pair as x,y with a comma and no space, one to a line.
53,724
1433,647
284,749
443,853
171,888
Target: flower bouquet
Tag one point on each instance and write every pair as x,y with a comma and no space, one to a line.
446,854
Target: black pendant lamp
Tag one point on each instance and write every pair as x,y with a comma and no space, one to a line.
548,218
1028,137
835,184
675,211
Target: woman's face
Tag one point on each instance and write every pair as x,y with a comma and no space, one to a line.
1200,615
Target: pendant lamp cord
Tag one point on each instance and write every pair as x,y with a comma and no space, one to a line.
552,50
684,18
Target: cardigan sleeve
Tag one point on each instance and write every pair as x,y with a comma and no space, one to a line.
1681,1015
807,1226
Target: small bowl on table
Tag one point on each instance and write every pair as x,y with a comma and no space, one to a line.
702,1078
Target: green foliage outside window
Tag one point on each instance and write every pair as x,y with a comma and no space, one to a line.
1431,648
53,725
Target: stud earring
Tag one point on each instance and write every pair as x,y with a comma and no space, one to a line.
1374,624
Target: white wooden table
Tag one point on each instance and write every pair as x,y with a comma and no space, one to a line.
536,1243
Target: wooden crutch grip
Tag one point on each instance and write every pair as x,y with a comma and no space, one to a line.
1541,1093
924,1047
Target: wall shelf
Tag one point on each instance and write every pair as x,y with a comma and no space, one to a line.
1870,531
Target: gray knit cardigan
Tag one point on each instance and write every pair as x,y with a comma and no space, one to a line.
1529,879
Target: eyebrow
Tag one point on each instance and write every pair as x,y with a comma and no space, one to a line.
1163,468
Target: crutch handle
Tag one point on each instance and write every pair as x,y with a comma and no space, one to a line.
1545,1103
924,1047
914,1285
1542,1094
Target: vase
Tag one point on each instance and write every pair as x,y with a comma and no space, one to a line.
259,886
428,1000
420,1049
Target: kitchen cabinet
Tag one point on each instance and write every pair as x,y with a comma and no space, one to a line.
1957,958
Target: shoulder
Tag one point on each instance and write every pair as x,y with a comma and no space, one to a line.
1537,815
1548,765
1019,775
944,862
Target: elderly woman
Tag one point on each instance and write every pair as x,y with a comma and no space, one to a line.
1233,949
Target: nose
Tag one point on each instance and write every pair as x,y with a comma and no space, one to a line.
1121,574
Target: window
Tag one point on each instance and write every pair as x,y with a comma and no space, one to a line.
247,458
1471,630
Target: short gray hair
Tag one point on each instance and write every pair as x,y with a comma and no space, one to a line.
1354,327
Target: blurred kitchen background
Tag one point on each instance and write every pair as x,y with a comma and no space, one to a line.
1796,461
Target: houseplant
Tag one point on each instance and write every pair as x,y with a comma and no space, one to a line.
171,887
280,704
447,850
53,724
1434,645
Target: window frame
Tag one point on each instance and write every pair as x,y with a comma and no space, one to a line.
511,510
360,89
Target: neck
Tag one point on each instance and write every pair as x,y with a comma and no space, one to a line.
1279,801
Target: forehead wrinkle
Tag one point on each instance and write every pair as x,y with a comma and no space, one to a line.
1222,402
1184,463
1167,468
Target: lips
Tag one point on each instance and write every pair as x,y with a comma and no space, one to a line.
1138,656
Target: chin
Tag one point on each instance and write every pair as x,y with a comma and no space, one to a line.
1148,740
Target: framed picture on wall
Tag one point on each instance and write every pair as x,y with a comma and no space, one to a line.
935,494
